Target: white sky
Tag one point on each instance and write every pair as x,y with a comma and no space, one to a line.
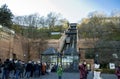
73,10
23,7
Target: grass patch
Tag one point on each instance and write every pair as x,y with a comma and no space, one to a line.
55,36
114,37
108,71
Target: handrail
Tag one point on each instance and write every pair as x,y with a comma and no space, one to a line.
61,42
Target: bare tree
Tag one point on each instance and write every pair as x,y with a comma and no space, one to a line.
115,13
96,14
42,21
52,18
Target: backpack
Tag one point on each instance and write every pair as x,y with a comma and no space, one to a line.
6,66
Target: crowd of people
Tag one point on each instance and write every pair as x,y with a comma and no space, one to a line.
15,69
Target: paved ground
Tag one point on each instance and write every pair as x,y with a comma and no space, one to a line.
76,76
65,76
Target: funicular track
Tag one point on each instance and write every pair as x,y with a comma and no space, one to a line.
69,49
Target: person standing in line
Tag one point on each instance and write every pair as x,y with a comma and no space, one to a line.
18,68
117,72
43,68
6,68
0,66
28,69
83,70
59,72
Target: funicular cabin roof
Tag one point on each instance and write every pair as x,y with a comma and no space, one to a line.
70,51
71,33
50,51
72,29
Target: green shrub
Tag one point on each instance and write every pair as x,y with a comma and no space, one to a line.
108,71
55,36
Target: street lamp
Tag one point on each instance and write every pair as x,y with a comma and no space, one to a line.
24,57
59,59
97,58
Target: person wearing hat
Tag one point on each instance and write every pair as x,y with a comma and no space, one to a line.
117,72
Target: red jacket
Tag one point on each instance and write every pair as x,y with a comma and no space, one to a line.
117,72
83,71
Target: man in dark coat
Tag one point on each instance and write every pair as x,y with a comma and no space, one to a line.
29,69
6,69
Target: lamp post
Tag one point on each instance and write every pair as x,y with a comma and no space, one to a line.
97,58
24,57
10,45
59,59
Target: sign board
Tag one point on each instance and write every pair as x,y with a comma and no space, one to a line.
112,65
0,26
55,33
97,66
97,75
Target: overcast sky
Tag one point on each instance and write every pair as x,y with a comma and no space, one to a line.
73,10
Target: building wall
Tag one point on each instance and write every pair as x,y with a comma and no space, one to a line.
10,46
53,43
82,45
16,47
